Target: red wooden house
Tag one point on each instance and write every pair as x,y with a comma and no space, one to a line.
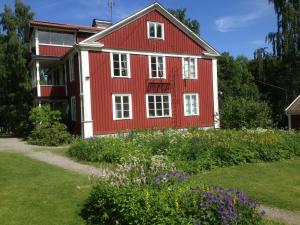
148,70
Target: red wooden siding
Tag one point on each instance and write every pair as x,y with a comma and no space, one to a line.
82,36
134,37
47,50
74,90
103,86
295,122
53,91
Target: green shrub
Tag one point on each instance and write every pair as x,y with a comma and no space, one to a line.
48,129
194,150
175,204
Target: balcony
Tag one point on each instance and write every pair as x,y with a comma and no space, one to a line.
53,91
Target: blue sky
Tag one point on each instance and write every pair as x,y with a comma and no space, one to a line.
236,26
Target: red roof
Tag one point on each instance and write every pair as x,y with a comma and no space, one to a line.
64,26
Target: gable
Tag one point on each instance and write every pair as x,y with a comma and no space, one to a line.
135,27
134,36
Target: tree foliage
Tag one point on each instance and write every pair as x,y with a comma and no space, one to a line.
240,103
15,89
278,71
180,14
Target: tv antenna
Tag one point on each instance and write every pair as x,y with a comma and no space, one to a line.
111,4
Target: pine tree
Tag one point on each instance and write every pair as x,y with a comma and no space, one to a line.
15,91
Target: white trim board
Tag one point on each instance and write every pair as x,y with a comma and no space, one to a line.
122,106
291,104
159,94
197,104
163,11
134,52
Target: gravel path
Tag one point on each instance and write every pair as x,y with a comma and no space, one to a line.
16,145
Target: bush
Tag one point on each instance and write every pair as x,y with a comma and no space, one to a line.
194,150
48,129
239,112
175,204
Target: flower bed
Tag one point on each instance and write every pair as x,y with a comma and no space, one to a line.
194,150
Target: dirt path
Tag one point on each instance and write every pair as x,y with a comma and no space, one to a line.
16,145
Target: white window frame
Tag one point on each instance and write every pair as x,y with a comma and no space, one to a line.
122,107
196,68
71,69
159,94
155,30
120,65
150,68
197,104
73,110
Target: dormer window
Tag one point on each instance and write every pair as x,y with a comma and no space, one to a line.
156,30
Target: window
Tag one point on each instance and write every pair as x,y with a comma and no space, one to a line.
158,105
122,107
155,30
73,108
157,67
71,69
56,38
191,104
120,65
50,75
189,68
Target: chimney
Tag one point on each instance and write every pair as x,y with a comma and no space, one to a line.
102,24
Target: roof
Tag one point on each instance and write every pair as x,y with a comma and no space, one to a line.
73,27
156,6
294,107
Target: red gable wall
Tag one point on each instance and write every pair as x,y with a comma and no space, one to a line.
134,37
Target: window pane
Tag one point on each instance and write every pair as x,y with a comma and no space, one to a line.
124,72
150,98
118,99
124,57
118,106
151,29
159,30
166,105
126,114
159,112
117,72
158,98
116,57
166,99
166,112
151,113
119,114
158,105
151,105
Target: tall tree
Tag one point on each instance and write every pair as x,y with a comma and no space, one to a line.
240,103
180,14
279,72
15,91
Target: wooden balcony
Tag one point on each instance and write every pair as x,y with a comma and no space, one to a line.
53,91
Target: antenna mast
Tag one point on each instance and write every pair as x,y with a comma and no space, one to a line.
111,4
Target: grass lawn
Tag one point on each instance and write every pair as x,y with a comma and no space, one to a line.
275,184
34,193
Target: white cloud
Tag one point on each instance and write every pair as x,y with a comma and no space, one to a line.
232,23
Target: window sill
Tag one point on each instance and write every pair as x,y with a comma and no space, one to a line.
194,115
121,77
120,119
158,117
154,38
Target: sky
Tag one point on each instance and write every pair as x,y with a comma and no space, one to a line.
235,26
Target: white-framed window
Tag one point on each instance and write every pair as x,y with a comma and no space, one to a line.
191,104
122,106
71,69
158,105
73,108
189,68
157,67
155,30
120,65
